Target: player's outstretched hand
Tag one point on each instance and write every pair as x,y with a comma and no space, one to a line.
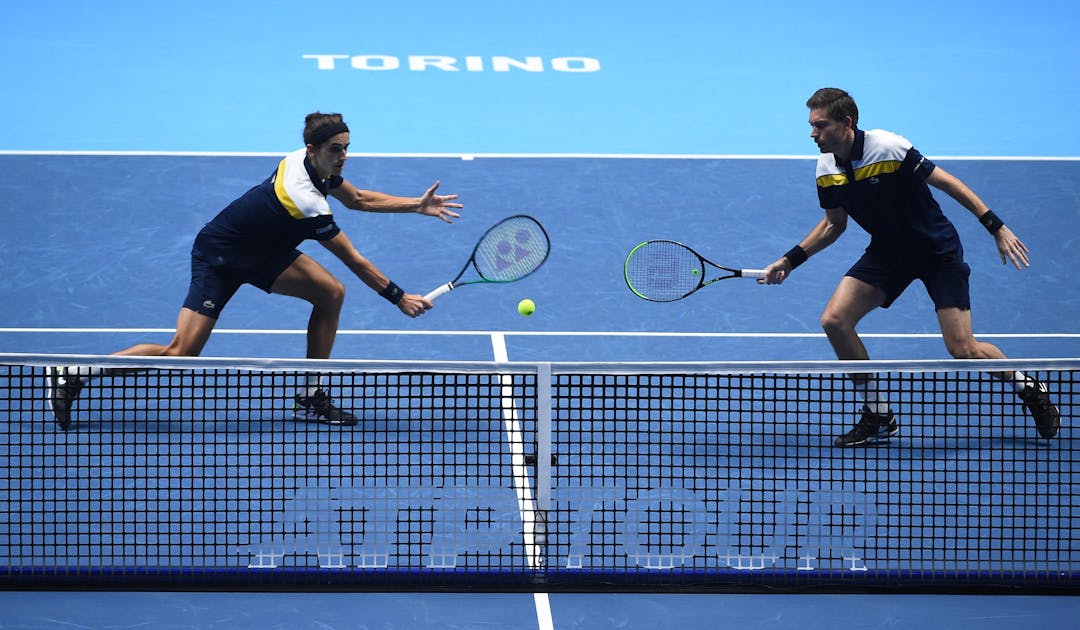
1011,248
438,205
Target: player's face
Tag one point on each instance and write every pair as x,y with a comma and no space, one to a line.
330,157
829,135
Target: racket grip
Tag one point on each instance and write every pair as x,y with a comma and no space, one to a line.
442,290
752,273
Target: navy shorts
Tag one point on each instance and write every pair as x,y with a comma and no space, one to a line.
946,279
212,287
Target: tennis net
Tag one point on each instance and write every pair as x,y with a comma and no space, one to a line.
192,473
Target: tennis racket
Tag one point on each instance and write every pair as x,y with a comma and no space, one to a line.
665,271
510,250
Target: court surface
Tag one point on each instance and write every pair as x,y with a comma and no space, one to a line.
130,126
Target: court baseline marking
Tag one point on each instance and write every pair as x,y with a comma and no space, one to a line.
473,156
529,333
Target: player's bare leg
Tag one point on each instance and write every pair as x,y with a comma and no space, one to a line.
308,280
65,384
851,301
961,343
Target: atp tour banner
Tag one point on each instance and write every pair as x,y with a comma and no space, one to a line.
589,527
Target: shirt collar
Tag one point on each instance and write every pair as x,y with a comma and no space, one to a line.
856,148
319,182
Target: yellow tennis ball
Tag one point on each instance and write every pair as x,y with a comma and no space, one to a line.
526,307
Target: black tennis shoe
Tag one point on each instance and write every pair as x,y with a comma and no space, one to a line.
63,390
319,408
872,427
1037,402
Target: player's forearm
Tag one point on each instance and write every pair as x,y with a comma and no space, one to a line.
824,234
385,287
958,190
369,274
371,201
341,247
967,198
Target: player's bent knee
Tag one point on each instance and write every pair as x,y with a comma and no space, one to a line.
831,323
327,294
335,294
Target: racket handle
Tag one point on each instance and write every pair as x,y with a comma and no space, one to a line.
442,290
752,273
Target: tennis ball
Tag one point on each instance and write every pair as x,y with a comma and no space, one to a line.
526,307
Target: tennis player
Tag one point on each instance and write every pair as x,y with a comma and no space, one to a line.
882,182
253,241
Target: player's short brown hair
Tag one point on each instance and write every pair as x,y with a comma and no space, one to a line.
836,103
317,125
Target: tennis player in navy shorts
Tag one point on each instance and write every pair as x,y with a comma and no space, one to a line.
882,182
254,240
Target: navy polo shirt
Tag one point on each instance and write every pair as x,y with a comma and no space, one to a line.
271,219
883,189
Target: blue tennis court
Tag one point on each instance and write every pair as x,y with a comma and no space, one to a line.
134,125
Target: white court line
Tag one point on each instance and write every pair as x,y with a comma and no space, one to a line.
472,156
526,500
534,333
543,611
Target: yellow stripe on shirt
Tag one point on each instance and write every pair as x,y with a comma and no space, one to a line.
862,173
837,179
878,168
283,195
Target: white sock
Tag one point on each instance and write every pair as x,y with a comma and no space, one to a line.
867,392
83,372
1019,381
312,384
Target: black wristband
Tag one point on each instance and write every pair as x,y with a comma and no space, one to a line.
991,222
392,292
796,256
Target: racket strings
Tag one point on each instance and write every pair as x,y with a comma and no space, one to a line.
511,250
663,271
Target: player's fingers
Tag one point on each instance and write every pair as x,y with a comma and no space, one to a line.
1020,249
1019,254
772,277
